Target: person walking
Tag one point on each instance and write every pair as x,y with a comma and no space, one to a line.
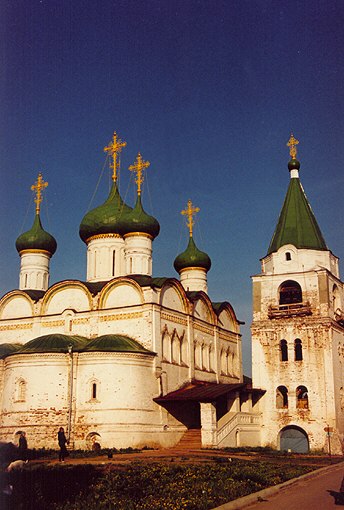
62,440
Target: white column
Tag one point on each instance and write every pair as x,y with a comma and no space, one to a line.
208,424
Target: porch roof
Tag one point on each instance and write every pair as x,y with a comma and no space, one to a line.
201,392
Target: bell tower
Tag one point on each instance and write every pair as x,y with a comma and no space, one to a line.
298,330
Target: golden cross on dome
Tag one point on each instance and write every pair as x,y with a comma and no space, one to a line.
114,148
190,211
138,167
37,188
292,144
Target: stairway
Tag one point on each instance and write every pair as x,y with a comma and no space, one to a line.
191,440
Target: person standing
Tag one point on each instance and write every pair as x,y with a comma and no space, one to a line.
62,440
22,446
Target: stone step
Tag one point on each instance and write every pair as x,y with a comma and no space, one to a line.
190,440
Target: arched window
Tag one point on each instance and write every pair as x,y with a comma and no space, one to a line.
283,350
301,397
166,347
290,292
288,255
298,349
21,390
282,397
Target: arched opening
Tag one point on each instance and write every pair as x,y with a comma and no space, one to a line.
283,350
293,439
282,397
301,397
93,441
288,255
290,292
298,349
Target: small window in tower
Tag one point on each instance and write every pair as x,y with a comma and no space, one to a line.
288,255
283,350
301,397
298,349
290,292
21,391
282,397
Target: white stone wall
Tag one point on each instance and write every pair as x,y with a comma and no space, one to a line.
34,270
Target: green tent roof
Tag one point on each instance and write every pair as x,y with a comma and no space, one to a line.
297,224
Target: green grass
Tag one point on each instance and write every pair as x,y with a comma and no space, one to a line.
142,486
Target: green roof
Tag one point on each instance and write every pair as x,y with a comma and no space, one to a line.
107,218
115,343
192,257
138,220
52,343
36,239
6,349
297,224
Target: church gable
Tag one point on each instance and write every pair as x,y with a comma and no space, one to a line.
16,305
67,295
172,297
120,293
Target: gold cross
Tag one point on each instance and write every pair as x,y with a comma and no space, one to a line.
190,211
114,148
292,144
38,187
138,167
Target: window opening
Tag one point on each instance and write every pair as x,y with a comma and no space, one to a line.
282,397
288,255
290,292
301,397
283,350
298,349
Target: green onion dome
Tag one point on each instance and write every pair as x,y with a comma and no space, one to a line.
139,221
6,349
36,239
114,343
55,342
192,257
294,164
105,219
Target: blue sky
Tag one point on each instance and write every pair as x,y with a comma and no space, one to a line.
208,91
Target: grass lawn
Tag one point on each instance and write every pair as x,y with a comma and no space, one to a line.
174,484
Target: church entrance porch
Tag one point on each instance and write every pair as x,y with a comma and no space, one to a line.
293,439
223,413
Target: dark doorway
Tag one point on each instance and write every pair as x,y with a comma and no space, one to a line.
294,439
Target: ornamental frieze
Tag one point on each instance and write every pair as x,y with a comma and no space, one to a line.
121,316
9,327
173,318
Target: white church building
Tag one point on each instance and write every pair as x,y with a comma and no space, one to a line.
128,359
123,358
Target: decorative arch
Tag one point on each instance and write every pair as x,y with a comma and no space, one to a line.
202,307
166,345
61,297
120,292
176,348
294,439
16,304
226,316
173,296
290,292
